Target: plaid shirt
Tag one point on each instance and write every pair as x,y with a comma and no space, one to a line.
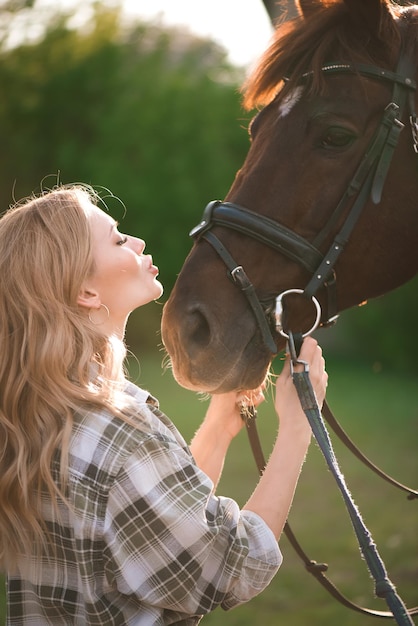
145,541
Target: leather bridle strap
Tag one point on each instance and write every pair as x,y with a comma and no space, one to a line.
400,76
372,171
267,232
368,179
260,228
241,280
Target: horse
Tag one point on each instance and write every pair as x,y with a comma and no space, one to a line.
322,215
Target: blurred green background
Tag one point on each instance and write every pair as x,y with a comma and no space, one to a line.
152,116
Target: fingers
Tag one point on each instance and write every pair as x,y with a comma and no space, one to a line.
237,400
310,353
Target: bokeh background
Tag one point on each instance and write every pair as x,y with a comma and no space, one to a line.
151,116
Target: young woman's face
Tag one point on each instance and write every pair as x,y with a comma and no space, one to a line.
124,278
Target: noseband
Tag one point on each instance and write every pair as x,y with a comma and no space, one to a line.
367,181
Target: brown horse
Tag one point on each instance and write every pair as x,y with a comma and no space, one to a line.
324,204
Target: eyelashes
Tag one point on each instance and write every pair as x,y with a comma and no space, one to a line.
122,241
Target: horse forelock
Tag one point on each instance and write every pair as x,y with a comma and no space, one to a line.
302,46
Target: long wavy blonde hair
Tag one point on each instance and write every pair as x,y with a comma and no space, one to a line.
49,349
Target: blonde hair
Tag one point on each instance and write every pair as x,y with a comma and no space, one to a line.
49,350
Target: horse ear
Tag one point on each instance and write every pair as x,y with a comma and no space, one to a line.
307,7
370,13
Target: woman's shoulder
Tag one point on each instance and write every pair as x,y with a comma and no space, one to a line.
105,439
160,422
142,396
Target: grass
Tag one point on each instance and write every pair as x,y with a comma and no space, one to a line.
379,410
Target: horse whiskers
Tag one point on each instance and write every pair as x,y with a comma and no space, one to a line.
166,363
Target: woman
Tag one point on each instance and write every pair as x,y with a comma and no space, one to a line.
106,516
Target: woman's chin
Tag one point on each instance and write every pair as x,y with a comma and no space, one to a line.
159,290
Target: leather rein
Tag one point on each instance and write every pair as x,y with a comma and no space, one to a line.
368,181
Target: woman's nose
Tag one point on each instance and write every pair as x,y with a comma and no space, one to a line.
138,245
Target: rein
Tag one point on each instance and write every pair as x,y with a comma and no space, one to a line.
383,586
368,181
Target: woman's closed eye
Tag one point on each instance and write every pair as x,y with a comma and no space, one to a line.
123,240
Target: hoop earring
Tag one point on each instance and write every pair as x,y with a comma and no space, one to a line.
102,321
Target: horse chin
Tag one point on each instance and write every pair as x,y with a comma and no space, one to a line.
219,381
221,371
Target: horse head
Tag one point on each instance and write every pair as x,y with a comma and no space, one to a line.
324,205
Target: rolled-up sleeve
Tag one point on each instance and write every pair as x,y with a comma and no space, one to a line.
174,544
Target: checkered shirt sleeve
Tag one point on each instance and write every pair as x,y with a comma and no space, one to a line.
146,541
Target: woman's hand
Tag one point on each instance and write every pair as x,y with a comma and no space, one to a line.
226,410
287,402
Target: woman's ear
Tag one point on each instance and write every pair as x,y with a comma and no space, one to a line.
88,298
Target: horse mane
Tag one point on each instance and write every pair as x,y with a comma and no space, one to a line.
330,34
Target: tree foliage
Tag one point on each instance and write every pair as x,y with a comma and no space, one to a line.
147,112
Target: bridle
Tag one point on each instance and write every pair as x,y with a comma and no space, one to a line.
368,181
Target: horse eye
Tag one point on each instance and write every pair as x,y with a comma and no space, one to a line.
336,138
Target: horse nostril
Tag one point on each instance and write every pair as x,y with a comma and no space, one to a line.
198,329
